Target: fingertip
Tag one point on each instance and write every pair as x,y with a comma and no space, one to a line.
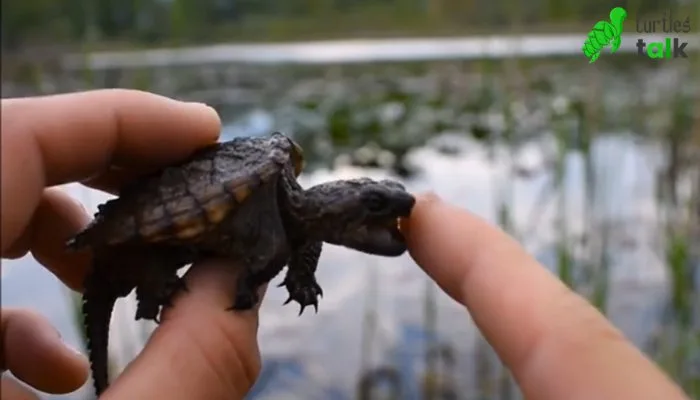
430,197
210,118
205,118
424,203
76,135
36,355
57,218
434,241
14,390
155,130
20,246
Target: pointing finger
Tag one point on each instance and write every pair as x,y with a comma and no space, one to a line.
11,389
553,341
34,352
57,217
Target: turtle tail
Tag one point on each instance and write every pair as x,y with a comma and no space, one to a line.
97,313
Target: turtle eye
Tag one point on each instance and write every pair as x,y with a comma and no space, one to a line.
375,202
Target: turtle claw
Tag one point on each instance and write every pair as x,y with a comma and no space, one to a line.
301,309
305,295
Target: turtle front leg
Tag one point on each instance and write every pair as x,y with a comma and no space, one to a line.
301,276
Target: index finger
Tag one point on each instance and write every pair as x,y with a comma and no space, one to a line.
57,139
77,135
554,342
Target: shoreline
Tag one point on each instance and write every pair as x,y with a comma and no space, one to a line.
354,51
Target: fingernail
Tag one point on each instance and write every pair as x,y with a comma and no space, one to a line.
73,349
197,103
57,333
431,197
200,105
84,208
209,109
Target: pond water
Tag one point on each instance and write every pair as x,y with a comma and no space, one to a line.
432,128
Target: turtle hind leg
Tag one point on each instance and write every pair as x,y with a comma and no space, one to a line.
249,282
159,282
301,279
152,301
246,292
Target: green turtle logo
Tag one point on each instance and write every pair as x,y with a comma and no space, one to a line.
605,33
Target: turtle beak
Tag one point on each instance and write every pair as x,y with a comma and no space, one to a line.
383,239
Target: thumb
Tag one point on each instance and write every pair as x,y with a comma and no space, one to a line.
200,350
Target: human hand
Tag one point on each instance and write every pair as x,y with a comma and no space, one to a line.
556,345
104,138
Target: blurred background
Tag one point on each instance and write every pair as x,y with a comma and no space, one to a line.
490,104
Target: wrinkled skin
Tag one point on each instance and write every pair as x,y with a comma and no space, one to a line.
361,214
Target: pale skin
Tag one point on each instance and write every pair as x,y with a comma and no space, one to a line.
555,343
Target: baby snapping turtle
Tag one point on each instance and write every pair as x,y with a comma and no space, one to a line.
240,200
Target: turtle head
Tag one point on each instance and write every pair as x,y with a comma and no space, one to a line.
362,214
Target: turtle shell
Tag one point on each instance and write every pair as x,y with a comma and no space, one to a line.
181,202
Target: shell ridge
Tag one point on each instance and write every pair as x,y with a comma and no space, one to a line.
168,221
191,197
